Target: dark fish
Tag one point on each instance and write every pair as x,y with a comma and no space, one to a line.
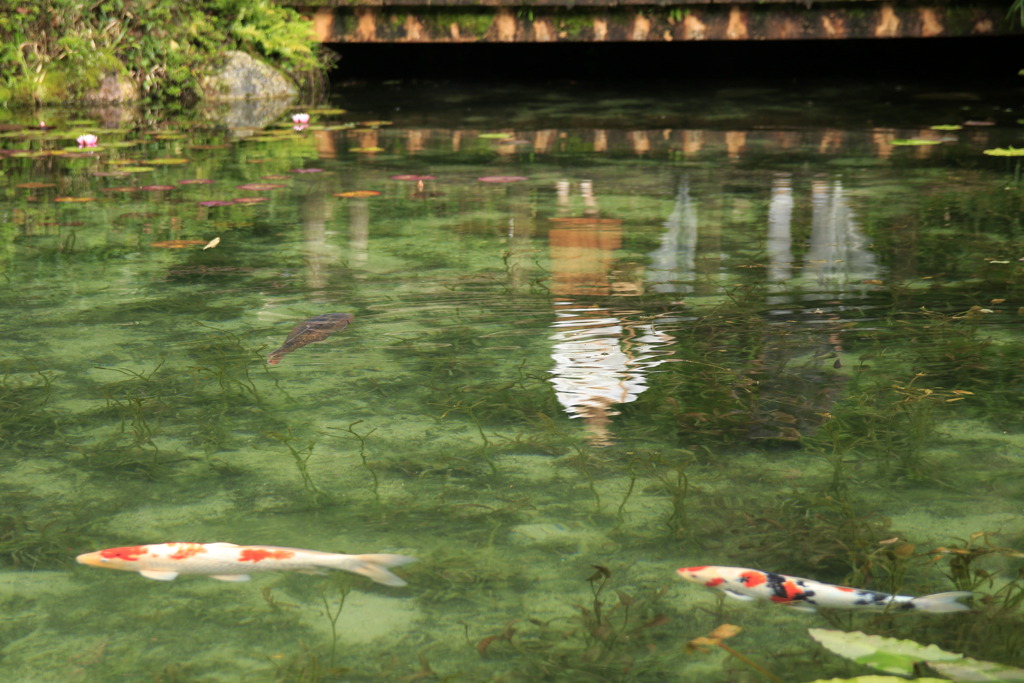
309,331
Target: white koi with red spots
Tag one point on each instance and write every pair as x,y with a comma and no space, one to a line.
806,594
230,562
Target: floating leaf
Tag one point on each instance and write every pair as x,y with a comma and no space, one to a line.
328,112
947,126
215,202
169,136
196,181
276,176
177,244
158,188
412,177
366,150
137,169
913,141
494,136
167,161
968,669
74,199
34,185
374,124
878,679
120,189
212,243
260,187
250,200
1004,152
308,170
501,178
357,193
886,654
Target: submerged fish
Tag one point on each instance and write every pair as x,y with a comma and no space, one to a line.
309,331
230,562
806,594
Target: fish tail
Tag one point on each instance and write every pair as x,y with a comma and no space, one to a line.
375,566
941,602
275,358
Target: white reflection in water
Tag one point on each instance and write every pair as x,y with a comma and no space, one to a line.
600,361
838,252
675,258
780,225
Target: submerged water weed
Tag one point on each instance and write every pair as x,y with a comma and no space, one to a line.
361,438
715,638
997,627
301,453
602,642
30,543
26,421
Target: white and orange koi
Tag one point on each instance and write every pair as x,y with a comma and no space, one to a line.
806,594
230,562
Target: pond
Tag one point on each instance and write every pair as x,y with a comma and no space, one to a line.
593,336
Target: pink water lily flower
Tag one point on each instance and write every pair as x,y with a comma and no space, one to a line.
300,118
87,140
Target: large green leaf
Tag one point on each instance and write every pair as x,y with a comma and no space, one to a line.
886,654
873,678
968,669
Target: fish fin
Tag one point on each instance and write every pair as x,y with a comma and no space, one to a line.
941,602
310,572
373,567
738,596
221,545
230,577
159,574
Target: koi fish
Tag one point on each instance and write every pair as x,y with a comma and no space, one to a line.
806,594
230,562
308,331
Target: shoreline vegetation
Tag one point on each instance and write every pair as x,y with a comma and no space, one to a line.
161,52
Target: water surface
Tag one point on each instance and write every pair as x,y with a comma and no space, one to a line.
597,336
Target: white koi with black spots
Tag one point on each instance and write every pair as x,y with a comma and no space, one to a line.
806,594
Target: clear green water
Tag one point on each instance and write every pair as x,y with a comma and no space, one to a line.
736,327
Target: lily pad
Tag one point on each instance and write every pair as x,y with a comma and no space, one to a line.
196,181
177,244
968,669
328,111
215,202
260,187
908,142
357,193
158,188
251,200
137,169
494,136
412,177
72,200
886,654
34,185
308,170
1004,152
947,126
366,150
501,178
167,161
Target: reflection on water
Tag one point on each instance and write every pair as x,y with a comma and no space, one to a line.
601,362
646,340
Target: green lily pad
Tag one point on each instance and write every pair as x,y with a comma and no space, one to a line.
327,111
494,136
886,654
1004,152
136,169
167,161
914,141
968,669
947,126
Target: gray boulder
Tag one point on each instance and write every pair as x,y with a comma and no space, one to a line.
243,77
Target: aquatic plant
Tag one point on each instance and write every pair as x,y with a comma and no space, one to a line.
361,438
27,423
301,453
715,639
601,642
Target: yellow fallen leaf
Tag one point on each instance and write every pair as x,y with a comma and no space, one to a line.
725,631
212,243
